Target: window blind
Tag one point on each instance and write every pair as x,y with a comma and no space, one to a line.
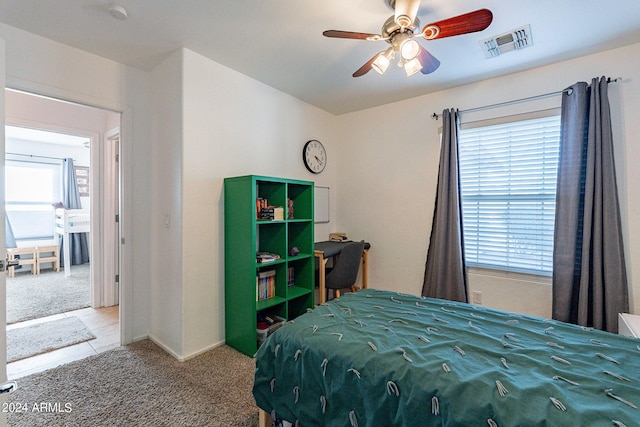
31,188
508,175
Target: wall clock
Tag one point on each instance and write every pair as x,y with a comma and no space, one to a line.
314,156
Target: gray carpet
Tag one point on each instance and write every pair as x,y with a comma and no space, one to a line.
32,296
43,337
141,385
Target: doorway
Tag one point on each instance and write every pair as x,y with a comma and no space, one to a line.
44,134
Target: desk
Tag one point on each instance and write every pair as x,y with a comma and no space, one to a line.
328,249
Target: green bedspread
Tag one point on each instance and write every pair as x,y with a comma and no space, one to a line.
378,358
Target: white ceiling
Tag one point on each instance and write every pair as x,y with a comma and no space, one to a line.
280,42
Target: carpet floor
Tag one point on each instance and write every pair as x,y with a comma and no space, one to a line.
32,296
44,337
140,385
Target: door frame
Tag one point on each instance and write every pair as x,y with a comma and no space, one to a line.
110,176
3,277
101,249
126,253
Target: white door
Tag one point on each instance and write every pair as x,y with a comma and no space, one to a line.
111,216
3,289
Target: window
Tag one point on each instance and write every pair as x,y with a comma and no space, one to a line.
508,176
30,189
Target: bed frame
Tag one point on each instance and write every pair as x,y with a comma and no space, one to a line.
264,419
71,221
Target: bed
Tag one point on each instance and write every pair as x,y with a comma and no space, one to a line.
378,358
71,221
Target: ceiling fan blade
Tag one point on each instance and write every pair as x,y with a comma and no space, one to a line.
406,11
366,67
429,62
462,24
350,35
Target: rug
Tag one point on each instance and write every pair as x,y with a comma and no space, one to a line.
32,296
141,385
44,337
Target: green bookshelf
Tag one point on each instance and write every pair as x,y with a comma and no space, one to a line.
246,234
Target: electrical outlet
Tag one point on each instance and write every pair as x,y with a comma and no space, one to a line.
476,297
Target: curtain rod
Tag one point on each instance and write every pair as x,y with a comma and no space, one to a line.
35,155
436,116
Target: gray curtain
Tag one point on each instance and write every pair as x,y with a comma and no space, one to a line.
10,239
445,274
79,249
589,275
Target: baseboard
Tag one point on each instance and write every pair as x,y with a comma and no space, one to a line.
179,358
166,348
136,339
204,350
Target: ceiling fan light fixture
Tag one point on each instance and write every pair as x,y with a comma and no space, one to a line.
413,66
409,49
381,64
382,61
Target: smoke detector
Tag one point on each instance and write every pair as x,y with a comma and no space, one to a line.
118,12
516,39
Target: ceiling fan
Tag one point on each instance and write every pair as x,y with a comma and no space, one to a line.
400,31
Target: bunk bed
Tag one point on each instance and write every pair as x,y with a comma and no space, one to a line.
71,221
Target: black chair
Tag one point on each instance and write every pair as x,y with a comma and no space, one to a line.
345,270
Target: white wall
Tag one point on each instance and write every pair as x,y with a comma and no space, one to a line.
165,190
233,125
388,171
36,64
80,155
210,123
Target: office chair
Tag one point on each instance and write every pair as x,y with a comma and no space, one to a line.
345,271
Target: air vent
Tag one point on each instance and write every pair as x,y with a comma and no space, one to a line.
506,42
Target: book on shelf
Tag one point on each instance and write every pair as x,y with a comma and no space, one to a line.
290,209
266,257
260,204
290,277
265,285
339,237
272,213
